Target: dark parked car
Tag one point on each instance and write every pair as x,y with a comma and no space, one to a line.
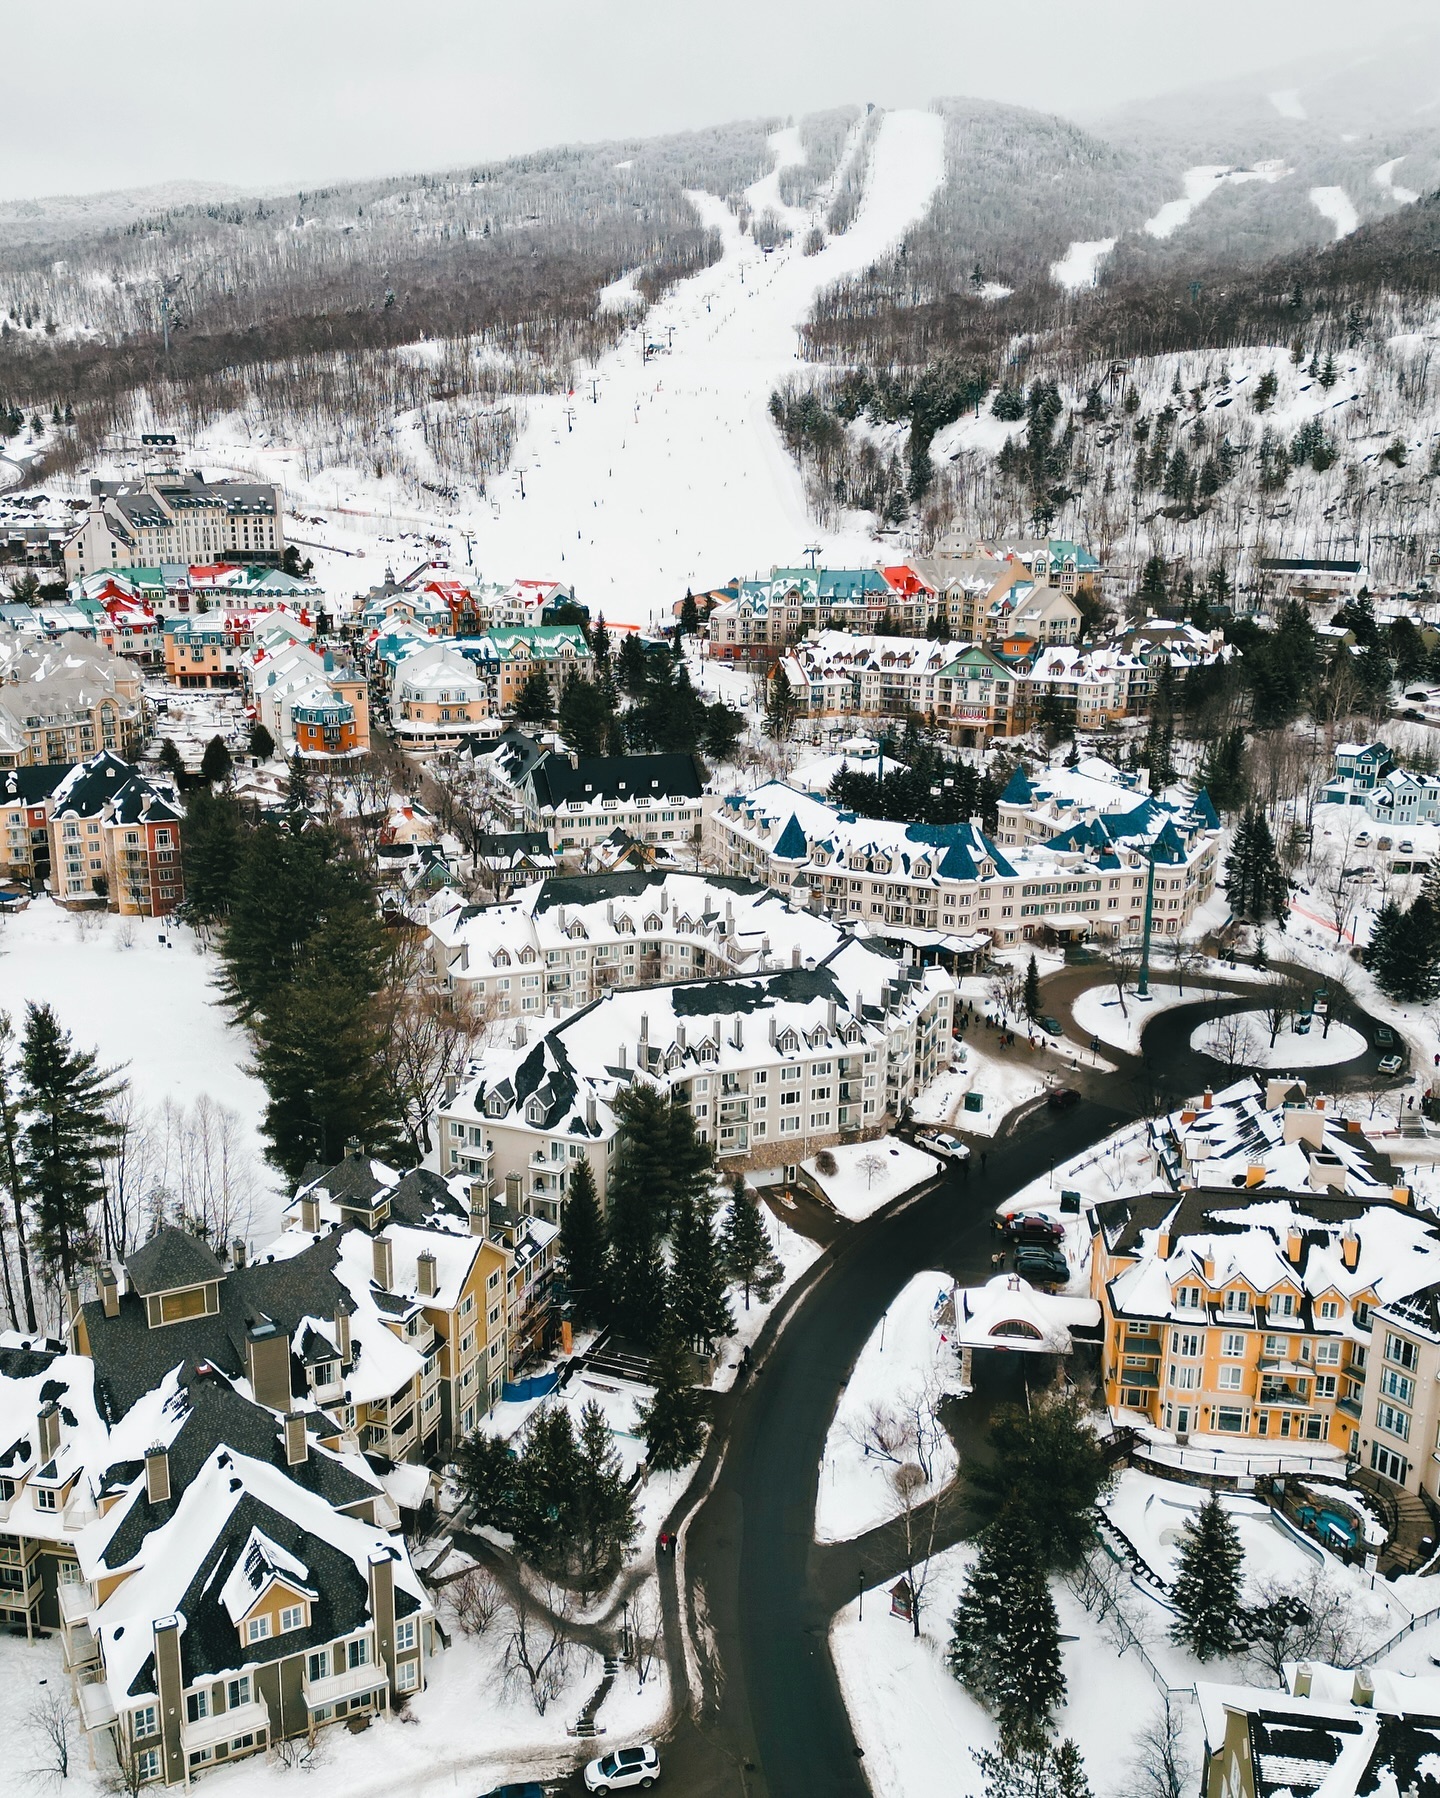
1031,1255
1030,1228
1061,1098
1050,1024
526,1788
1384,1036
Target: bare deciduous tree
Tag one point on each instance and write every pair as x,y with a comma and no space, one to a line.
1160,1767
474,1599
51,1722
1311,1619
537,1654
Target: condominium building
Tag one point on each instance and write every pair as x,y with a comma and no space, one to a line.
175,517
62,700
769,1064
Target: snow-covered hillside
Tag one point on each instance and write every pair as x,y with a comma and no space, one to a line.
662,472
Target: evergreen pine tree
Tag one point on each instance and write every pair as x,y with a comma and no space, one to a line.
1255,884
544,1510
689,616
672,1422
321,1051
1032,990
11,1180
533,704
214,849
1005,1636
1222,772
632,666
745,1245
1208,1581
779,707
582,1246
605,1515
488,1472
299,795
171,762
696,1288
217,763
261,744
64,1102
1030,1765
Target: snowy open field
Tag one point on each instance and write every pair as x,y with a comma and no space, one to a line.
869,1174
1098,1012
146,1007
673,476
1243,1040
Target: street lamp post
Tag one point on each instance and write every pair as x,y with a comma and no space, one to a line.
1142,988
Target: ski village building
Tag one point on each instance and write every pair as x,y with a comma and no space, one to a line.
1089,878
174,517
770,1065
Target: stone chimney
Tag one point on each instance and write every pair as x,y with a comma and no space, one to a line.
592,1118
1328,1173
48,1432
479,1208
297,1441
267,1363
425,1274
157,1475
109,1292
382,1263
381,1579
310,1214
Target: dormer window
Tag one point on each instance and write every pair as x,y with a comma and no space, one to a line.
257,1629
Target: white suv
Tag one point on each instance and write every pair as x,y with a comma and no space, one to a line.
624,1768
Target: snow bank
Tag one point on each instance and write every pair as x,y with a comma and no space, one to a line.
857,1187
1097,1012
906,1358
1289,1050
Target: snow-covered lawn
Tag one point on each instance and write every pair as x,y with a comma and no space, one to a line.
145,1006
905,1366
1097,1012
1002,1080
869,1174
1290,1050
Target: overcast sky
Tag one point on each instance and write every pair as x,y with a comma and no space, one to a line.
267,93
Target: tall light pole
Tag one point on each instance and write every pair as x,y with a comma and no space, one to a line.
1142,988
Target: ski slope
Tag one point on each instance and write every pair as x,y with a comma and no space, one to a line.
673,476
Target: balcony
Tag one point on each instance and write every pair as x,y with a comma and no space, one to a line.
97,1707
349,1684
77,1601
210,1732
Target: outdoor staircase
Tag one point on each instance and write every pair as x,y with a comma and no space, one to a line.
585,1724
1409,1522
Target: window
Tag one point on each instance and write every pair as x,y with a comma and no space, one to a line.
45,1499
1231,1421
257,1629
197,1705
146,1721
147,1765
357,1652
317,1664
237,1692
404,1635
1185,1379
1185,1342
1393,1422
1328,1353
407,1676
1398,1386
1237,1301
1188,1298
1230,1378
1329,1308
1398,1349
1232,1345
292,1616
1362,1314
1276,1347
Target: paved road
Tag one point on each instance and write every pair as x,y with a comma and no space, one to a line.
778,1715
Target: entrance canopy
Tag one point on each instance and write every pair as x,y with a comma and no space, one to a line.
1009,1314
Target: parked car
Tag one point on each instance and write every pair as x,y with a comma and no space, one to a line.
1392,1064
1061,1098
524,1788
1043,1274
1029,1227
944,1143
1033,1254
1384,1036
1051,1025
623,1769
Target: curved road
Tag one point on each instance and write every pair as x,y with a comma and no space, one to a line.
778,1711
769,1720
